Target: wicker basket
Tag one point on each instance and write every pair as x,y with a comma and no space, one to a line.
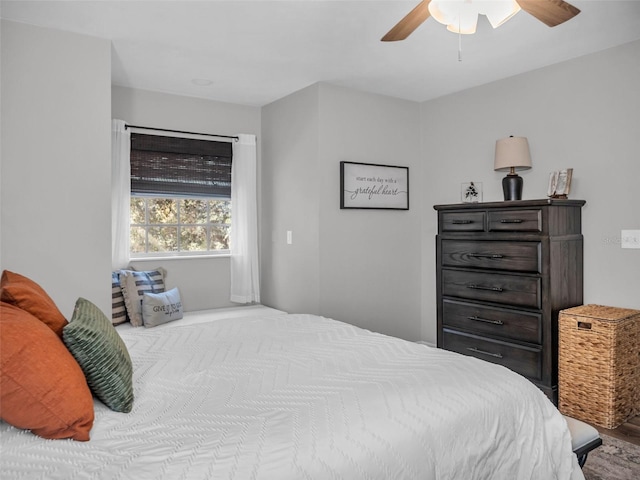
599,364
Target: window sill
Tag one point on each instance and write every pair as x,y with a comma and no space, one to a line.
179,257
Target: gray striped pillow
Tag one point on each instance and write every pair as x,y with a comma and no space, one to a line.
118,309
134,285
102,355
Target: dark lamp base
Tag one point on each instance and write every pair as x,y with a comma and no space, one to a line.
512,187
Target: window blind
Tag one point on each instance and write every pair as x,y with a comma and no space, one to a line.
169,166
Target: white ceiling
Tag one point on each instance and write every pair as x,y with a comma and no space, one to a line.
255,52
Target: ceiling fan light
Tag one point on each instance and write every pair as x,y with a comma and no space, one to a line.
461,16
445,11
498,12
466,23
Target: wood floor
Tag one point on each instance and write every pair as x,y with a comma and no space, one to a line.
629,432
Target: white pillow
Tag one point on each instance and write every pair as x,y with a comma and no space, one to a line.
159,308
134,285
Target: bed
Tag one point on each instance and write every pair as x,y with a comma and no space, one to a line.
255,393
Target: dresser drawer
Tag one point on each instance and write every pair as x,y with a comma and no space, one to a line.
515,221
506,289
511,256
523,360
494,321
462,222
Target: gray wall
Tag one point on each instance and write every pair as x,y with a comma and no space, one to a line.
359,266
370,259
203,282
56,171
290,202
581,114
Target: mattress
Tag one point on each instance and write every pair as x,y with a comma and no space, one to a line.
259,394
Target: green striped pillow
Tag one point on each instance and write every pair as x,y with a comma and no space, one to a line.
102,355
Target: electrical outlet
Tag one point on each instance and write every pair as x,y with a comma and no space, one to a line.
630,238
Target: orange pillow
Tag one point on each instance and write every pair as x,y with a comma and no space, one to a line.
42,387
26,294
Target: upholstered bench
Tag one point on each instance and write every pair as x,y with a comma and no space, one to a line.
584,438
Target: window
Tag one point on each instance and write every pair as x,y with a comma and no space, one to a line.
180,196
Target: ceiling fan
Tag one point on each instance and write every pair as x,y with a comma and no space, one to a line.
461,15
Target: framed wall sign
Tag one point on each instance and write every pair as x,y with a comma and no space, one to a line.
367,185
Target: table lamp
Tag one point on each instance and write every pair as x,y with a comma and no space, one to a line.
512,154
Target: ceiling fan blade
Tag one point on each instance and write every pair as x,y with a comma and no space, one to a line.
409,23
551,12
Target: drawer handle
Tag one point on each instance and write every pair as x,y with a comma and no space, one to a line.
510,220
475,318
476,350
482,287
461,222
486,255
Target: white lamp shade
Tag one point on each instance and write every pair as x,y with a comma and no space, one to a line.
512,152
461,16
500,12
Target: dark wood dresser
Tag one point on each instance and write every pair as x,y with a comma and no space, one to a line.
504,271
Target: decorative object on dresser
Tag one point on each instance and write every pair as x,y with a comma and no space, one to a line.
560,183
599,364
504,271
512,154
471,192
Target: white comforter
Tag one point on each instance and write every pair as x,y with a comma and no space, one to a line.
304,397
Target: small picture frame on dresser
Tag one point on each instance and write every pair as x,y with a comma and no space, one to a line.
560,183
471,192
